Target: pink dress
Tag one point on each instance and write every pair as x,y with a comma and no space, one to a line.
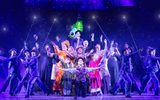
95,78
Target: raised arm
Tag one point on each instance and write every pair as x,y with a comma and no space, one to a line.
23,62
56,48
20,52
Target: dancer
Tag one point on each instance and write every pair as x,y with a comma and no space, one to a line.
152,68
113,63
51,61
62,55
125,73
67,76
78,40
106,82
95,78
33,63
81,73
14,71
26,75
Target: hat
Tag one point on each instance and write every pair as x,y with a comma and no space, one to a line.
80,47
13,49
33,50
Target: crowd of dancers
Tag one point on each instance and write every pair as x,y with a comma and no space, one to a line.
77,67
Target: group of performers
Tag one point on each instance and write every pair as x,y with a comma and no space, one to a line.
79,67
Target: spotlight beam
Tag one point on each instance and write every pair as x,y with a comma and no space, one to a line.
101,28
29,32
50,29
131,34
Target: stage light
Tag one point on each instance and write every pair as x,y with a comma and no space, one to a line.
93,17
89,27
159,16
124,17
4,29
34,17
55,19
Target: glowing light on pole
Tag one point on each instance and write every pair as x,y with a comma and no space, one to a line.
124,17
95,19
54,20
4,29
89,27
34,18
159,16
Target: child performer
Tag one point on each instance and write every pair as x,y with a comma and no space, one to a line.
67,76
81,77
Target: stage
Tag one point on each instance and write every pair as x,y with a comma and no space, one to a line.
40,96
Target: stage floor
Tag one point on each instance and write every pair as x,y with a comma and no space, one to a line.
5,96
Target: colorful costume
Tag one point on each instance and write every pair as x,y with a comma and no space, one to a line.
62,55
95,76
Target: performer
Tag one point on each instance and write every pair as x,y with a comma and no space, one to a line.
78,40
95,77
62,55
67,76
125,73
33,63
26,76
152,68
51,61
113,63
81,73
88,45
13,71
106,82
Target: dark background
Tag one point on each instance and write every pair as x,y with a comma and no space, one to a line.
16,16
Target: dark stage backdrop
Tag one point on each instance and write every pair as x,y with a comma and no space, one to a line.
16,17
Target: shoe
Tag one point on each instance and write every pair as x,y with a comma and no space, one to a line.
139,92
32,94
128,96
12,94
156,94
48,93
113,93
75,98
0,92
26,96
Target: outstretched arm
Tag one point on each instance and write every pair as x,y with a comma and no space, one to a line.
156,58
91,69
71,70
3,58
